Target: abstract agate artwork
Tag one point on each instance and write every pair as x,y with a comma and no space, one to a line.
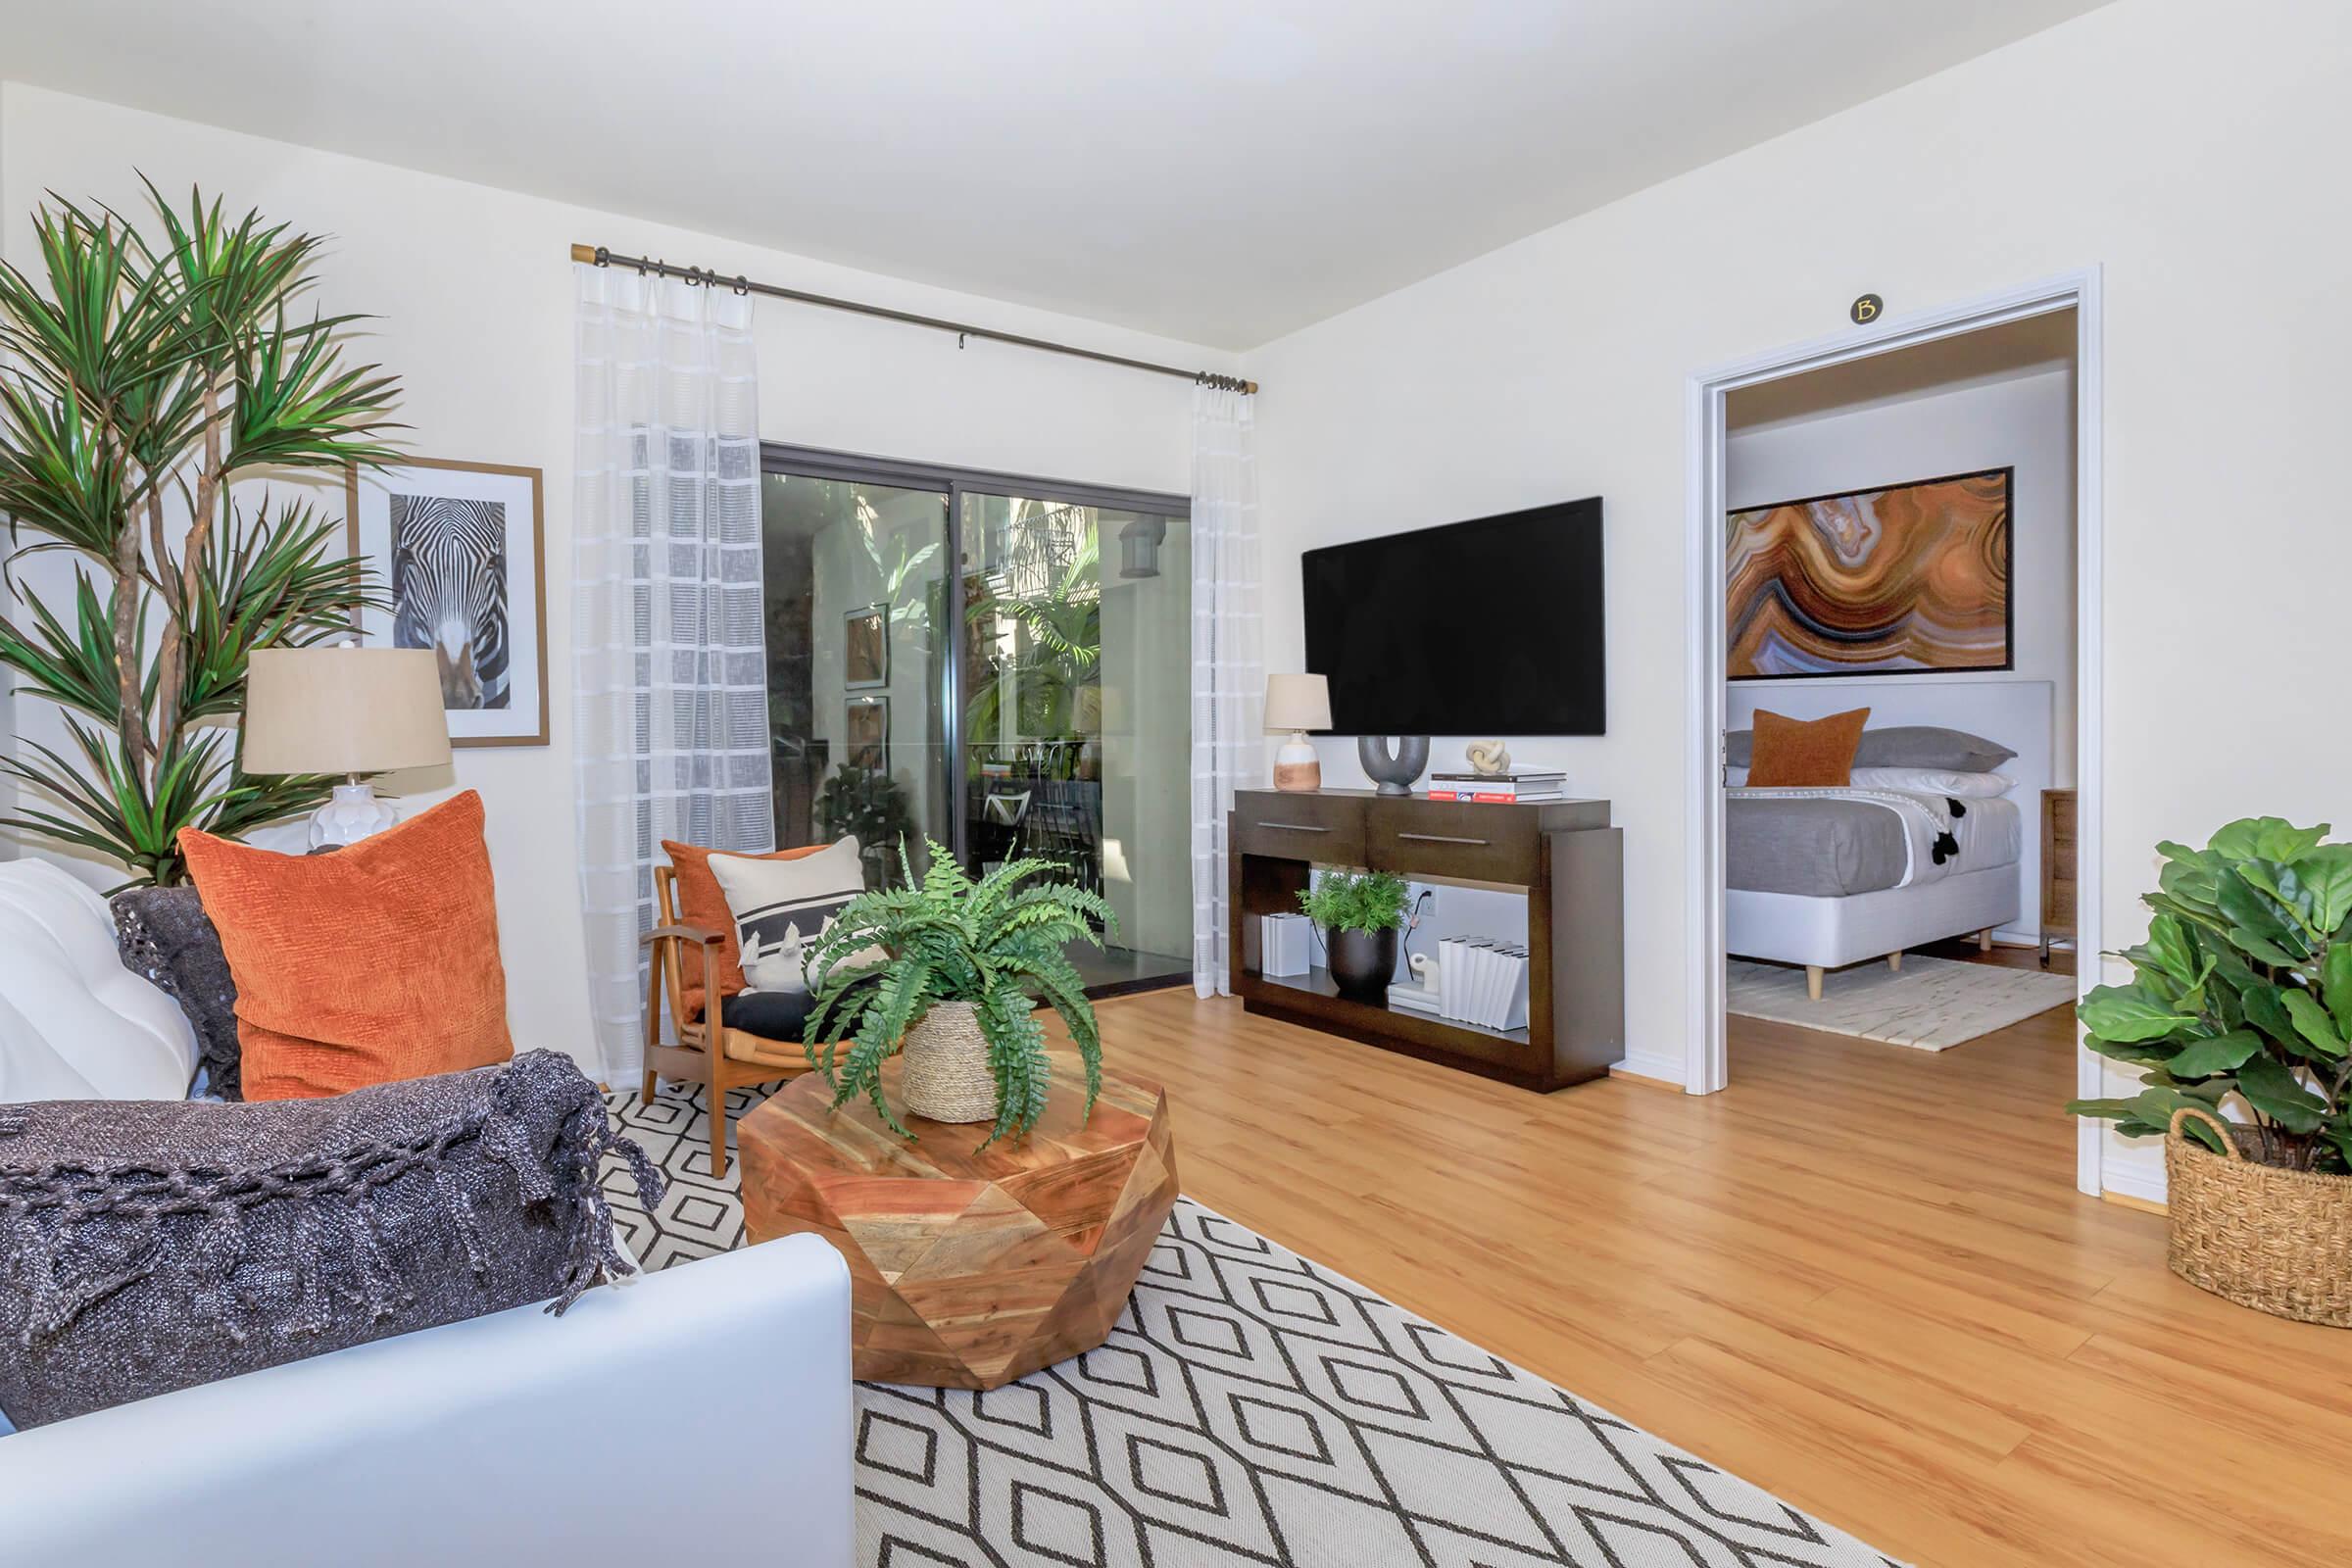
1872,582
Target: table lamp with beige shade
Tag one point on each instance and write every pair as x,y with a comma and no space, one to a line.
1296,704
349,711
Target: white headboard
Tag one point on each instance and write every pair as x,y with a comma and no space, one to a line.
2014,712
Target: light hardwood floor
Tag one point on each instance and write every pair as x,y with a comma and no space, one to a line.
1860,1277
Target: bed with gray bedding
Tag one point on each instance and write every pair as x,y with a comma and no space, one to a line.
1822,847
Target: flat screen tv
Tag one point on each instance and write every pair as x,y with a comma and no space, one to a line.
1487,627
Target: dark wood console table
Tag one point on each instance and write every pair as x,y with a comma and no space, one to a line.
1564,852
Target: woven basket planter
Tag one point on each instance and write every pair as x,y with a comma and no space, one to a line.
946,1075
2277,1241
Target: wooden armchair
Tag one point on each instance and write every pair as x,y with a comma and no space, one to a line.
738,1060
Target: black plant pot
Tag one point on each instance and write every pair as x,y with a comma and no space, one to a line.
1361,962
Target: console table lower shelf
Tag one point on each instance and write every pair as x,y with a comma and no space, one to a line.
1564,854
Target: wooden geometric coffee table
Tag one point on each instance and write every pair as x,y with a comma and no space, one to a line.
969,1269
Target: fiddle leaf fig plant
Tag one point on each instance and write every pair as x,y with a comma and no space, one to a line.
997,943
2241,995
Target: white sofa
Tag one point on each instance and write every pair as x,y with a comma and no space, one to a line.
701,1412
74,1024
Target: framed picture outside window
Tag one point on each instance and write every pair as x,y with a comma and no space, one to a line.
459,549
867,743
865,653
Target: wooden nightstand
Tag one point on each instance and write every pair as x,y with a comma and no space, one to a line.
2057,869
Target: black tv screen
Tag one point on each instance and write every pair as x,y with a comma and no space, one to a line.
1488,628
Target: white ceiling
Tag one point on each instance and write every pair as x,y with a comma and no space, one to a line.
1218,170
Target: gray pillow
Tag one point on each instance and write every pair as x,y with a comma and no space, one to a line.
1950,751
147,1245
166,938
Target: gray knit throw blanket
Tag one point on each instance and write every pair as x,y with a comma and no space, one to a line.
149,1246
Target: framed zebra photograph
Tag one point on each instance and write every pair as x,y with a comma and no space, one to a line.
457,549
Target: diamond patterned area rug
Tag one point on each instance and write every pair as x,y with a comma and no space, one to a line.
1251,1407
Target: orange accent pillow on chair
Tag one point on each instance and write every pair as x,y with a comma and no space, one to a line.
1804,753
376,962
703,907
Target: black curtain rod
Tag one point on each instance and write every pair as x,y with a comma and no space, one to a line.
601,257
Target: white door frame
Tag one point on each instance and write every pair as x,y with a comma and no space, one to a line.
1705,1064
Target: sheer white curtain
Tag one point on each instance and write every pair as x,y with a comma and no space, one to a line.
669,669
1229,671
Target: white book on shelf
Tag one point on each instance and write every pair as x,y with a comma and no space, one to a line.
1514,1004
1489,979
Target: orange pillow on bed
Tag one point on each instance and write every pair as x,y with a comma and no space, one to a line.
1804,753
703,907
376,962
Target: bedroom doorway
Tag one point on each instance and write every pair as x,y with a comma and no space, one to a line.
1894,537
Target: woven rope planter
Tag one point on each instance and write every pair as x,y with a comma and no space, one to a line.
946,1076
2277,1241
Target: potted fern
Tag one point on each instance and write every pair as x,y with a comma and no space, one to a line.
2241,1000
1359,913
951,971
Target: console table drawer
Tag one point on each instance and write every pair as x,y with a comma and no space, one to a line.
1445,837
1325,828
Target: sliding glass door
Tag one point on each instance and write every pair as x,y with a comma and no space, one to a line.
856,593
1001,665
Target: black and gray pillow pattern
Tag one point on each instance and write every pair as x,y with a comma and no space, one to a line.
167,939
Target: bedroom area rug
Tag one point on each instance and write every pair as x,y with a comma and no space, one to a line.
1931,1004
1250,1408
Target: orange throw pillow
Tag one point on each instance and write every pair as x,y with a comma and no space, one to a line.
703,907
374,963
1804,753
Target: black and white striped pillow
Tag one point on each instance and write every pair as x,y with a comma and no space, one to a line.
782,906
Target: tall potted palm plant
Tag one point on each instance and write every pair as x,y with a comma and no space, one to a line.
143,380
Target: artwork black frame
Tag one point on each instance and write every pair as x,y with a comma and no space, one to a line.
2008,473
874,622
872,754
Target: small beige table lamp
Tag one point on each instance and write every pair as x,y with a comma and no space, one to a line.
348,711
1296,704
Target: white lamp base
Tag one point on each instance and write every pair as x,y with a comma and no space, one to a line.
1296,764
351,815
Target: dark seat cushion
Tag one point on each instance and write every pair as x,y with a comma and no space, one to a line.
769,1014
147,1245
166,939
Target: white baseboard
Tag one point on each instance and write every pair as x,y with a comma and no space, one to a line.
2142,1183
1656,1069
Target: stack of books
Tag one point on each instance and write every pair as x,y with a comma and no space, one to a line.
1483,981
1499,788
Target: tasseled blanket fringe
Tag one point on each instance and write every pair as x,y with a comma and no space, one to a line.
340,1249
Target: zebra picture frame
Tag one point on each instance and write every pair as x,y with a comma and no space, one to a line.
459,549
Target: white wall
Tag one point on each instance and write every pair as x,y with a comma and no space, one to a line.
2187,151
473,288
2027,422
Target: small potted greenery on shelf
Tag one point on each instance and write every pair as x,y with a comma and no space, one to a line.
1359,913
952,971
2241,999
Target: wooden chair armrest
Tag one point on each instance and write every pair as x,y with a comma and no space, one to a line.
665,966
680,933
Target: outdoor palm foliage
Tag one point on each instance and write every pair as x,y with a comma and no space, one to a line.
997,943
141,380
